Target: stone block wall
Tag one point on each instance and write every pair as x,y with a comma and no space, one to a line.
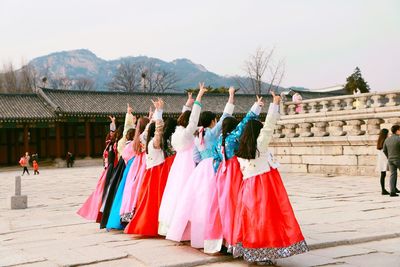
333,136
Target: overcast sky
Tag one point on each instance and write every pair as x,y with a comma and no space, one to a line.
322,41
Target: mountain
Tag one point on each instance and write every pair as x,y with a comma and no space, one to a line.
82,63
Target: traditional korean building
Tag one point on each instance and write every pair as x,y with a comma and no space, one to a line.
52,122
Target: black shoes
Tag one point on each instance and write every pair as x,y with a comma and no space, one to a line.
394,195
384,192
397,190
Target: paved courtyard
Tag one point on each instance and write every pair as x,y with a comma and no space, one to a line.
345,221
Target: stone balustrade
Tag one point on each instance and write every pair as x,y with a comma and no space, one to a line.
344,103
334,135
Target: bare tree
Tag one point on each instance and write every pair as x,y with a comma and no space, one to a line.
28,78
262,73
165,81
10,83
63,83
84,84
126,79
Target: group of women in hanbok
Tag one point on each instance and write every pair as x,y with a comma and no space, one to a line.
213,182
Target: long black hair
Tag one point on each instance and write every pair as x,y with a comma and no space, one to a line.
150,134
228,125
206,118
169,128
248,141
383,134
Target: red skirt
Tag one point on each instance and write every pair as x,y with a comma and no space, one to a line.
221,214
145,219
265,218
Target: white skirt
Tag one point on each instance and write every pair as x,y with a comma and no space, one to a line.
381,162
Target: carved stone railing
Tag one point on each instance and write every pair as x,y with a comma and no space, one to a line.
318,106
334,135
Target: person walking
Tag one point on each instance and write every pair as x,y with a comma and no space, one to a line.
24,162
35,167
391,148
382,162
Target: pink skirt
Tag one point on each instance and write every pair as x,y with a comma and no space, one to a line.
133,182
179,173
221,212
90,209
189,220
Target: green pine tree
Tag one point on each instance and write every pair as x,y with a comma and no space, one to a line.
355,81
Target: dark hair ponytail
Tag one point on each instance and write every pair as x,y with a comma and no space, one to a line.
383,134
169,128
248,141
228,125
150,134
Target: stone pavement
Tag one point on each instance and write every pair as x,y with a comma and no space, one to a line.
338,216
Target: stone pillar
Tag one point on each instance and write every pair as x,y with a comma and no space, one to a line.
349,103
18,201
291,109
291,130
391,100
26,139
362,102
305,129
336,104
278,131
304,108
87,140
374,126
356,127
377,101
325,105
313,107
336,128
320,129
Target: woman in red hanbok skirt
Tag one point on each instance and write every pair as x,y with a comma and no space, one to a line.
221,213
265,227
145,219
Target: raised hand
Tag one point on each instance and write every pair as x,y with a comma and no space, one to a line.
112,118
259,101
231,94
190,100
129,109
150,113
275,98
202,90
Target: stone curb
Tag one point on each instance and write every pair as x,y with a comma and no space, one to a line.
312,247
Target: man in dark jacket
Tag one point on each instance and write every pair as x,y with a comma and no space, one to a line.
391,148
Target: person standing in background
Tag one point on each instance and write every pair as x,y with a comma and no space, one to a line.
24,162
35,167
382,162
296,98
391,148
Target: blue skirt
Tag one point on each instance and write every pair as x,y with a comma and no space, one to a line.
114,220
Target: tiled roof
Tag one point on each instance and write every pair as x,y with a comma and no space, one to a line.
52,104
86,103
27,106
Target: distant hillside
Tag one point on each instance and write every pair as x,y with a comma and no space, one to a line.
83,63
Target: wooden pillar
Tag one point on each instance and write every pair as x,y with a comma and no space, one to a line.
87,139
26,139
58,140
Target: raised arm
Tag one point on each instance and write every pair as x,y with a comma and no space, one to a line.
130,120
228,111
113,127
157,116
195,114
253,113
269,125
189,103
